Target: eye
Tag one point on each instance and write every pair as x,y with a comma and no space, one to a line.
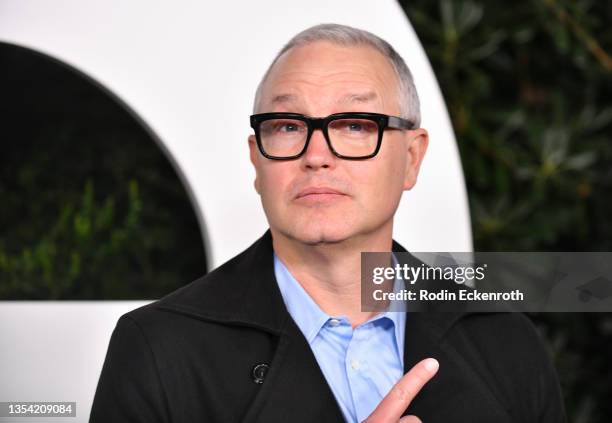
354,126
288,127
284,126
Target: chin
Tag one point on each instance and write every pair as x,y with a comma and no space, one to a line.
318,227
316,233
319,239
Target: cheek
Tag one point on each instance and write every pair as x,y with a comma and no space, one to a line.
395,168
273,182
376,188
383,178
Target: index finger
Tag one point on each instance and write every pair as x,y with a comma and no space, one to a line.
403,392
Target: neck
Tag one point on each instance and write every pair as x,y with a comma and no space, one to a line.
330,272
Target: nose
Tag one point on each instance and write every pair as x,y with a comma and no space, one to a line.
318,154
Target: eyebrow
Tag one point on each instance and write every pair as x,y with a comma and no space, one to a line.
359,98
283,98
348,98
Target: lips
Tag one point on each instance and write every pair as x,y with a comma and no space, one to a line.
316,191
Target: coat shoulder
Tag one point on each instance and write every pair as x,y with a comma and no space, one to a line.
215,295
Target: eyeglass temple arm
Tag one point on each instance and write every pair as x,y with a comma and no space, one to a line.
399,123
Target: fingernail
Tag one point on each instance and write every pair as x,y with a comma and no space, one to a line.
431,364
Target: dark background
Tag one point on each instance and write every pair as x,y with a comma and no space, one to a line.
528,86
91,208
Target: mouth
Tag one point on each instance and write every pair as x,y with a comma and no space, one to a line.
319,194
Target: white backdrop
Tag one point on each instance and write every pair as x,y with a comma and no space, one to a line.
189,70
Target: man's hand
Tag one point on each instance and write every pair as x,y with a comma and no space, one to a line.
403,392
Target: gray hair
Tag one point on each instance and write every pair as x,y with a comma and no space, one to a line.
349,36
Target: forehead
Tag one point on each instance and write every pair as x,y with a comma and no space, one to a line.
326,73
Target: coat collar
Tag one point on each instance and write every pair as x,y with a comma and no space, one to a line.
243,291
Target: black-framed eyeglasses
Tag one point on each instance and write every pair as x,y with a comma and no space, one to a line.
352,136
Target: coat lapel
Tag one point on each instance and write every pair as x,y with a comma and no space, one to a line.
244,292
461,387
295,381
294,378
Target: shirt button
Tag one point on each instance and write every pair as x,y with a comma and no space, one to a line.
355,364
334,322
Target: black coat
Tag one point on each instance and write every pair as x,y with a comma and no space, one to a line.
189,357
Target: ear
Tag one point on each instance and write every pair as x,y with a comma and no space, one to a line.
254,157
418,140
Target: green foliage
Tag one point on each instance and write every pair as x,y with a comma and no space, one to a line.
528,85
84,240
529,103
91,206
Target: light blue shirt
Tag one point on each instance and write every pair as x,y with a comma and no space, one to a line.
360,365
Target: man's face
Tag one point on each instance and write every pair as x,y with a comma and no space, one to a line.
319,197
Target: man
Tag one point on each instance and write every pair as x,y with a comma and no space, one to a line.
277,334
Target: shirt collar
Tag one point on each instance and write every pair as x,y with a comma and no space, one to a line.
310,318
307,314
397,314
